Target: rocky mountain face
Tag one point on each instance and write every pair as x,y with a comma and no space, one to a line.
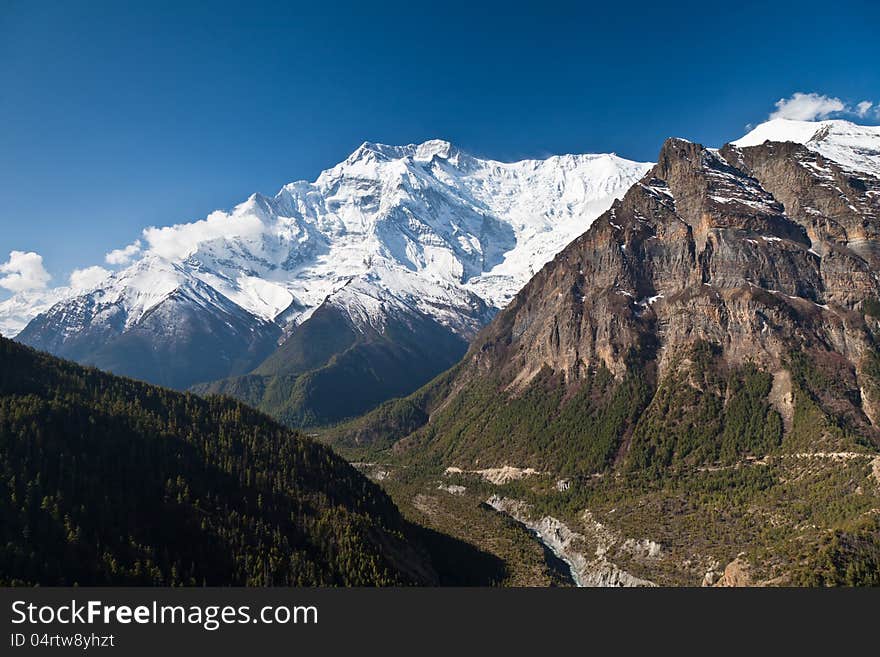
704,250
382,269
708,348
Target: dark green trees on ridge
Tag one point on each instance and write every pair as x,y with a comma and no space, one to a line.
105,480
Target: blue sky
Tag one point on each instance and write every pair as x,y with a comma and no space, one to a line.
117,116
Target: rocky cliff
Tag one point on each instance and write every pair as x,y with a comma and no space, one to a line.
720,321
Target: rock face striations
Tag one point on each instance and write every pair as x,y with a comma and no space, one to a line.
700,250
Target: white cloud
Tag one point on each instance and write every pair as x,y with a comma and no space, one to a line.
88,278
182,240
807,107
24,271
812,107
124,255
863,107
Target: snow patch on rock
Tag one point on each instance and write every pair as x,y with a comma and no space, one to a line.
854,147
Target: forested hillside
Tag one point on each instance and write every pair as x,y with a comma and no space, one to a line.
108,481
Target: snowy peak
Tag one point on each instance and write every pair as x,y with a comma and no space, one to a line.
424,152
435,148
782,130
854,147
425,225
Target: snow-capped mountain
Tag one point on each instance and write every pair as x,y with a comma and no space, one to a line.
156,322
422,227
422,231
854,147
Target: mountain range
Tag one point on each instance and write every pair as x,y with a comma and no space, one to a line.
335,295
